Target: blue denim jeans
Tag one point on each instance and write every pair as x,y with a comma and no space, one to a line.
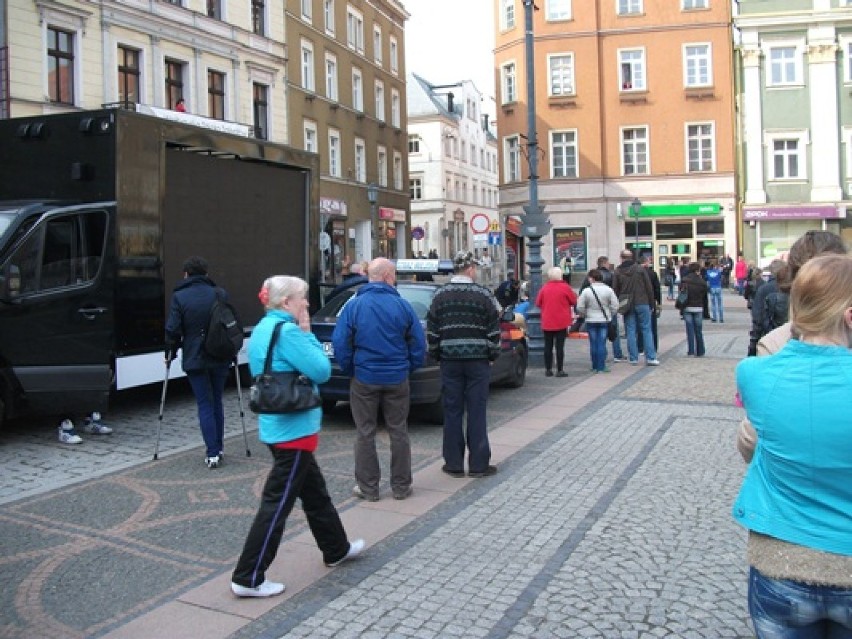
597,344
783,609
716,304
208,386
694,332
640,314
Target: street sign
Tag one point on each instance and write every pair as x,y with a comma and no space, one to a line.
417,233
494,238
479,223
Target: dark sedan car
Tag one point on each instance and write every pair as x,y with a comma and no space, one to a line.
509,369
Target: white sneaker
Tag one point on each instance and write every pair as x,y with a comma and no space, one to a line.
653,362
266,589
93,425
213,462
67,434
355,548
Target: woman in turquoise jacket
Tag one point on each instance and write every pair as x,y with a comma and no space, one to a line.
292,438
796,498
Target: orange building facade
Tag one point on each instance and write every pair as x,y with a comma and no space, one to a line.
633,101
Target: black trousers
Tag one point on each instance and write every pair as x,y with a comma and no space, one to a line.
295,474
557,338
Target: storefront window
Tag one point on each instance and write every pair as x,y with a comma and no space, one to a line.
710,227
776,237
674,230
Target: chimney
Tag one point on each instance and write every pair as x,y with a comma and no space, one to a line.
450,97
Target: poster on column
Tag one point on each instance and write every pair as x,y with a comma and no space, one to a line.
571,243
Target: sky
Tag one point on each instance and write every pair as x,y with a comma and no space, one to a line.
451,40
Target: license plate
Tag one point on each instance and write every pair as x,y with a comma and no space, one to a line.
328,349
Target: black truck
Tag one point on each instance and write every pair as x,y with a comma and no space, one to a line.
98,210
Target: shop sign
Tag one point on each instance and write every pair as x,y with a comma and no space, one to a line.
641,245
570,243
677,210
514,225
329,206
829,211
393,215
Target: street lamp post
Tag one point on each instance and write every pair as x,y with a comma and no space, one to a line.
373,197
636,208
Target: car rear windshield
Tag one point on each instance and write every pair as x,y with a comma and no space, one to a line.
420,298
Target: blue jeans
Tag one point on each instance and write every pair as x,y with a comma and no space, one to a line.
694,332
597,344
464,387
716,304
616,345
641,313
208,386
783,609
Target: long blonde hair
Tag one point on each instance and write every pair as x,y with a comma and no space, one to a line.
820,295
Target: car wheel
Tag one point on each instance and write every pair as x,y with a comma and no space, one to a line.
432,413
519,370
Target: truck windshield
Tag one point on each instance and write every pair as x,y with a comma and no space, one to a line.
5,221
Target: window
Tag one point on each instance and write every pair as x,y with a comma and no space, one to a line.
215,94
360,161
397,170
463,151
60,66
307,10
394,55
507,14
354,30
334,153
415,188
785,66
699,147
258,17
377,44
396,117
561,75
331,76
563,153
697,65
634,151
510,89
382,165
847,59
558,9
260,110
174,82
311,143
628,7
128,75
694,4
413,144
214,9
307,65
787,155
328,12
512,152
357,90
380,100
631,69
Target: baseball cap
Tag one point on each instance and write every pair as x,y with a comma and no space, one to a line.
463,259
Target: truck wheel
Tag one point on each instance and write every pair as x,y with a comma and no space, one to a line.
519,371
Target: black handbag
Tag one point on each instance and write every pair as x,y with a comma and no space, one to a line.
578,325
611,327
682,298
274,392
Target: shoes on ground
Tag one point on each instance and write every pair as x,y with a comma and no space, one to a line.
93,425
490,470
451,472
548,373
634,362
213,462
403,494
561,374
712,319
619,360
266,589
360,494
355,548
67,434
653,362
605,369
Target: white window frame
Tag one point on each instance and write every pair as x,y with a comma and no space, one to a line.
394,55
697,63
307,65
507,14
331,91
354,29
569,145
307,10
688,5
380,100
311,139
328,15
556,10
360,160
357,90
628,7
700,138
396,112
334,159
566,73
802,140
512,159
846,48
382,164
509,82
413,144
635,143
377,45
798,47
632,84
415,188
397,170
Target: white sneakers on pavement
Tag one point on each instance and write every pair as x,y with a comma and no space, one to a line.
93,425
355,548
266,589
653,362
67,434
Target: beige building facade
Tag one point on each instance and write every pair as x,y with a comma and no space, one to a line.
633,102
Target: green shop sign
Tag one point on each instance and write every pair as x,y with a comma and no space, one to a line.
679,210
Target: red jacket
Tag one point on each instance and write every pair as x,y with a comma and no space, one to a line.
741,270
556,299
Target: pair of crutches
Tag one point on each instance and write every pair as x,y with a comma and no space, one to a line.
163,406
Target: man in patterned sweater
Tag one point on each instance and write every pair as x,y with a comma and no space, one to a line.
463,333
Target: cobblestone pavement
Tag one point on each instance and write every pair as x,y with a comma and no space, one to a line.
613,523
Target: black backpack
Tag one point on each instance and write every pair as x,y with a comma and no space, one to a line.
224,336
776,308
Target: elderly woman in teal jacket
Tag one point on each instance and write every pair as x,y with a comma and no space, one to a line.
292,438
796,498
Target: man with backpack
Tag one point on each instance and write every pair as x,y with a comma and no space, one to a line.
194,301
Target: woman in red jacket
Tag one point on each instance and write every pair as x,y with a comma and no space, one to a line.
555,299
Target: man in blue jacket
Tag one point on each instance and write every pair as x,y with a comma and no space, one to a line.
379,341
